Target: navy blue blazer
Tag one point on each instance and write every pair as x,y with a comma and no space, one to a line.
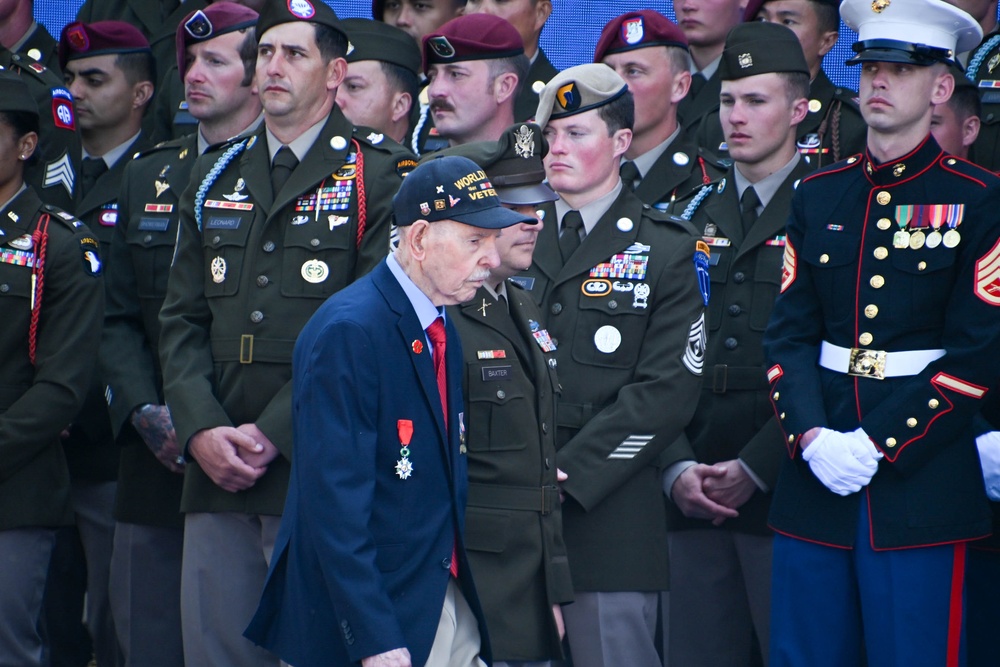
361,561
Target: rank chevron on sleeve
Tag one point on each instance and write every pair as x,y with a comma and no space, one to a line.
60,172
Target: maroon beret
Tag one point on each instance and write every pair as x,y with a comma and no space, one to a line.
276,12
472,37
750,13
83,40
637,30
202,25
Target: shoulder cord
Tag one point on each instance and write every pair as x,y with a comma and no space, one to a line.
836,131
696,202
977,59
213,174
705,180
40,239
359,166
415,143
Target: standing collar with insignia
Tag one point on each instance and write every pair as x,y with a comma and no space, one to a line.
903,168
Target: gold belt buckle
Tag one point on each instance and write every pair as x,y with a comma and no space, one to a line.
867,363
246,349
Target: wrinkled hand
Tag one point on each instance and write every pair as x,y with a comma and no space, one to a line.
267,452
989,455
397,657
732,489
560,478
217,452
843,462
688,493
156,428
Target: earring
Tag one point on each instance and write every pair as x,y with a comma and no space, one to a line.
23,157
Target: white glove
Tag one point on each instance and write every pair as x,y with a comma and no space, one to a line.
989,456
841,461
869,446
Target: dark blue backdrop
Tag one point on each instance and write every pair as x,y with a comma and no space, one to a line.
568,39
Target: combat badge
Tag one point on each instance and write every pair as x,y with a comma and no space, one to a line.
22,242
218,269
404,467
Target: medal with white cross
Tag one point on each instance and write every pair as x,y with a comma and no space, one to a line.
404,467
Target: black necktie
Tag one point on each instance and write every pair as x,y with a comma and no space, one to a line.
697,83
91,170
569,239
281,168
630,174
748,208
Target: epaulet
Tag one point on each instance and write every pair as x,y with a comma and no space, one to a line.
162,146
66,218
664,218
713,160
34,68
223,145
847,96
848,163
968,169
378,140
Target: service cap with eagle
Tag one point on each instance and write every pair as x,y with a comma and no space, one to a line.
452,188
276,12
760,48
375,40
513,164
201,25
919,32
472,37
84,40
638,30
578,89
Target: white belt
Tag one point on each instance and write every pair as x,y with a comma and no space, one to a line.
876,364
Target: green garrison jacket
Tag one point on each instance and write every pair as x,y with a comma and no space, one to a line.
832,130
250,269
734,417
628,317
38,401
137,268
513,523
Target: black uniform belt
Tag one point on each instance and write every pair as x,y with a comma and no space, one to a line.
738,378
576,415
543,499
248,349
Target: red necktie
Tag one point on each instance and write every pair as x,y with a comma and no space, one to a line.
435,333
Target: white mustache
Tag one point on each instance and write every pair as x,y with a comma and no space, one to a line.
482,274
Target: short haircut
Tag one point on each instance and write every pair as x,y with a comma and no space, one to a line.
619,113
401,79
680,59
965,103
248,54
517,65
138,66
331,43
796,85
827,16
22,122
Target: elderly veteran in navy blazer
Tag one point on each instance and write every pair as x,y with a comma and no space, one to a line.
369,563
880,349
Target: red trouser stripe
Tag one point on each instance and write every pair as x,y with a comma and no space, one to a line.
955,606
